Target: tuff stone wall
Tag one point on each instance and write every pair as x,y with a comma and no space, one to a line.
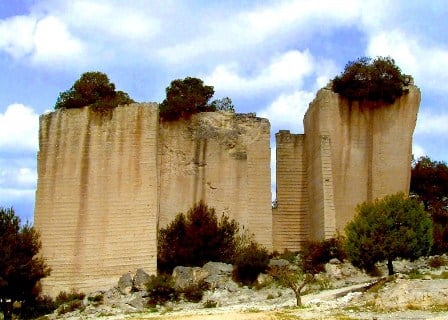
291,218
368,150
351,152
106,182
96,201
223,159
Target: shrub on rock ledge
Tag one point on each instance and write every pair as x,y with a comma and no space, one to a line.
373,80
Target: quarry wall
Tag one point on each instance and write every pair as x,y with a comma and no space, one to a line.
108,182
221,158
351,152
369,148
291,218
96,200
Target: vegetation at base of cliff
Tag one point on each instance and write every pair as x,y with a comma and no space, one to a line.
394,227
429,182
307,264
92,89
21,267
198,237
379,79
189,96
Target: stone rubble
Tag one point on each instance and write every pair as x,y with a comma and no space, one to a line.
348,293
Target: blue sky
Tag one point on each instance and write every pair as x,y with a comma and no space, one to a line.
270,57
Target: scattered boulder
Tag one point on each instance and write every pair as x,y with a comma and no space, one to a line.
125,284
141,278
264,279
403,294
278,263
215,268
185,277
334,261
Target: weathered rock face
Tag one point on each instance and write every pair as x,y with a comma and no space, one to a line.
96,200
351,152
107,182
223,159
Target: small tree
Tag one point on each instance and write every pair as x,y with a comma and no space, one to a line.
92,89
223,104
311,261
184,98
197,238
20,265
250,260
374,80
393,227
429,181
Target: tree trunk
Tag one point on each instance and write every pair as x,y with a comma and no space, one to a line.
390,267
298,299
6,308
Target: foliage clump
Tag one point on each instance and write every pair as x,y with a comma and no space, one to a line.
185,97
429,182
250,260
92,89
196,238
21,266
379,79
311,261
69,302
160,290
393,227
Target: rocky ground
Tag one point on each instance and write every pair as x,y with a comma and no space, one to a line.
417,291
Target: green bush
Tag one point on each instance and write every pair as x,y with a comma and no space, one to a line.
68,302
92,89
389,228
315,254
196,238
210,304
373,80
250,261
194,293
160,290
185,98
36,308
437,262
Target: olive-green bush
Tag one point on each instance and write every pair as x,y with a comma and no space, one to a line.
379,79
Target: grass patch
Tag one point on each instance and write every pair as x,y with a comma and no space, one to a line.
443,275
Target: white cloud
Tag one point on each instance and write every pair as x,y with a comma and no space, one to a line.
53,42
418,151
45,40
431,124
113,19
16,35
286,70
19,126
287,111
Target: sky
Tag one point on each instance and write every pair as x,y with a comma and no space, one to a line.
269,57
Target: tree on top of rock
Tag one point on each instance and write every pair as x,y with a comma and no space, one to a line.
92,89
372,80
186,97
